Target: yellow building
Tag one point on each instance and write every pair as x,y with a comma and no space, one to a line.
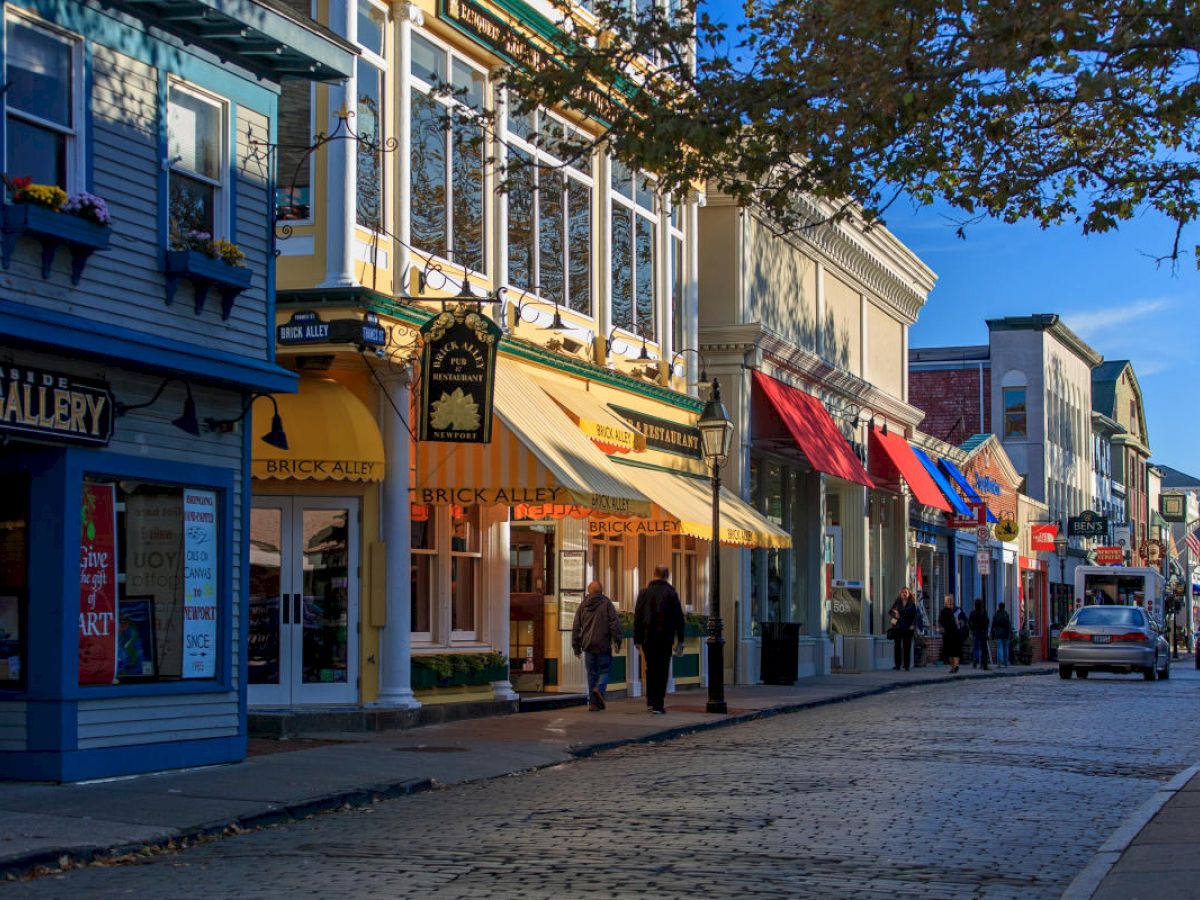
389,572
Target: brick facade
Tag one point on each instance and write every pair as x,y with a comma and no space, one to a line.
983,471
951,401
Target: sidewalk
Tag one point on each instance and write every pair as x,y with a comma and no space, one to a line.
39,823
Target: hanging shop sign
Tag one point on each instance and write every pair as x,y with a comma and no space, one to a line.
1151,551
458,376
98,585
1109,556
199,584
1041,537
1007,530
1173,507
1087,524
306,327
663,434
35,403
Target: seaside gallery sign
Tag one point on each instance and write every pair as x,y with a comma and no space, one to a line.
458,376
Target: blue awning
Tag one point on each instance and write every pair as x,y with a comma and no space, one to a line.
961,480
943,485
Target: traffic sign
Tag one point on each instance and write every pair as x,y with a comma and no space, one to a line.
982,532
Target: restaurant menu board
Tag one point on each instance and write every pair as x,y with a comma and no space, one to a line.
98,585
199,584
572,570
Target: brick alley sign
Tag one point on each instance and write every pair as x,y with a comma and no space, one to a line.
458,376
52,406
306,327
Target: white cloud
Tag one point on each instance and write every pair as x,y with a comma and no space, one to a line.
1098,323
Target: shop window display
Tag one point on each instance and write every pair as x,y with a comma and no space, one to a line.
149,567
14,582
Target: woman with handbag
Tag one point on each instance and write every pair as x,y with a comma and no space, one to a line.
903,619
951,638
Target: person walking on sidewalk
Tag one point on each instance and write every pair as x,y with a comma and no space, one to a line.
596,633
1002,634
951,638
979,623
904,626
657,628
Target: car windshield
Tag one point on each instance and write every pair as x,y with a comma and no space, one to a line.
1109,615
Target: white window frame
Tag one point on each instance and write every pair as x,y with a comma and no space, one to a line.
380,63
543,156
673,226
463,635
650,215
76,176
684,546
452,104
222,215
434,522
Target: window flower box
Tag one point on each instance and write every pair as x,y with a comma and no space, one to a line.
205,273
457,669
53,229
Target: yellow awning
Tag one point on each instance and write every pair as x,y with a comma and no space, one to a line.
331,435
684,505
536,456
607,430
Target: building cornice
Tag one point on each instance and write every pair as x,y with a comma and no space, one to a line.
1053,324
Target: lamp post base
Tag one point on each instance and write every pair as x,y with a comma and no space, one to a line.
716,668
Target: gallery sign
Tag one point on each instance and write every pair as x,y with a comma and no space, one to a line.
663,434
1087,524
35,403
458,376
306,327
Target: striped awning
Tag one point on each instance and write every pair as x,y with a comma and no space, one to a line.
606,429
536,456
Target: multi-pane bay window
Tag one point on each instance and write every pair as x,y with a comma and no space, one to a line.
368,119
40,98
448,152
424,562
634,251
678,276
196,153
549,210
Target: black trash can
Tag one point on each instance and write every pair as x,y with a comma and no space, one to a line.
780,652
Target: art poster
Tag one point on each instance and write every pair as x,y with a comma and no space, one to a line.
98,585
135,638
154,568
199,584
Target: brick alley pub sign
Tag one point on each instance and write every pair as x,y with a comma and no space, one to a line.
662,434
306,327
1087,524
458,376
43,405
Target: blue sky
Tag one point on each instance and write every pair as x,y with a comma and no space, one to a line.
1105,287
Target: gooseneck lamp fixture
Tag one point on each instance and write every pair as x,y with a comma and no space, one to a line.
1061,544
186,421
716,435
276,437
699,356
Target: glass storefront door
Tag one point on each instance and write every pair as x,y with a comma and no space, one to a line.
303,601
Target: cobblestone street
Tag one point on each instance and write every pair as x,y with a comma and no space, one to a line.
1002,788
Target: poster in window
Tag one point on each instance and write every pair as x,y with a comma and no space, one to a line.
10,638
135,638
154,568
199,584
568,602
98,585
571,570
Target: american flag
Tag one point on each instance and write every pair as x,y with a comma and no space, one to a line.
1193,543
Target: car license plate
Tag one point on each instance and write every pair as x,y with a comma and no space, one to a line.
1101,638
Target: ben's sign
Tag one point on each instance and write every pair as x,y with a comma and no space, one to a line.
45,405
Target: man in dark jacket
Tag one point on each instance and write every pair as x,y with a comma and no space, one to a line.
1002,633
657,628
596,633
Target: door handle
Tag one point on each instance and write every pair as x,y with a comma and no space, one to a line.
284,607
297,617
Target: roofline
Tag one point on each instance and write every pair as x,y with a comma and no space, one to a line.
1053,323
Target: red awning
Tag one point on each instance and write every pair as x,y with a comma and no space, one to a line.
812,428
892,449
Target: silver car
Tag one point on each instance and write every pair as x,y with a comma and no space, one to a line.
1113,639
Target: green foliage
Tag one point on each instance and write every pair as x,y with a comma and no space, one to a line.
1079,111
456,668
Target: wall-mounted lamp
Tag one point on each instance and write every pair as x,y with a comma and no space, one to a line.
187,420
276,437
699,356
643,355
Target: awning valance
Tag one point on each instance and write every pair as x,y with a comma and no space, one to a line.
536,456
331,435
812,428
961,480
610,433
939,479
892,450
683,504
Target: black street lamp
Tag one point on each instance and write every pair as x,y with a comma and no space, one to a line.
1060,550
716,434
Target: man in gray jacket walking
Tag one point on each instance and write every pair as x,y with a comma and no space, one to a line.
596,633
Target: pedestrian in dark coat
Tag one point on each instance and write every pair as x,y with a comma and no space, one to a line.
596,635
903,618
979,624
951,639
1002,634
657,629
